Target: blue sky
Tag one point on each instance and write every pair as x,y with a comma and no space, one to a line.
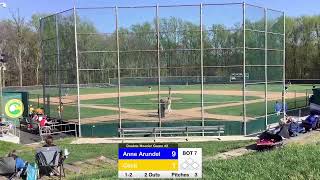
103,19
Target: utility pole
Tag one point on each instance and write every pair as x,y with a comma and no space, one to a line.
3,59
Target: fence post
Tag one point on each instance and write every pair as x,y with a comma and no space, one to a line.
201,67
38,100
295,99
307,97
299,114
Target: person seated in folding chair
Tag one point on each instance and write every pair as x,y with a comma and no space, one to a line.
50,159
3,128
44,125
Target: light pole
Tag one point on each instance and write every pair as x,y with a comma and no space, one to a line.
2,67
3,61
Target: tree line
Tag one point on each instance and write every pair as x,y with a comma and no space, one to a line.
21,41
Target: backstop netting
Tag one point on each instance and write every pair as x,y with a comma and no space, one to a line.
212,64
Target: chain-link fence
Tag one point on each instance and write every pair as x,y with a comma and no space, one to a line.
165,66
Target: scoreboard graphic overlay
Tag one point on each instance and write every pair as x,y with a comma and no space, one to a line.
158,161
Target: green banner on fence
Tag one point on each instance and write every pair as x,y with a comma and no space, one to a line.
13,106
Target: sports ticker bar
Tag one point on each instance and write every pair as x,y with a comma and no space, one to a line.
158,161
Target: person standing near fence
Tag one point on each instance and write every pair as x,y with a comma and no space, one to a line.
169,101
277,108
60,110
31,109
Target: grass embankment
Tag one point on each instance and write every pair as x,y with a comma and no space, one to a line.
78,152
291,162
106,171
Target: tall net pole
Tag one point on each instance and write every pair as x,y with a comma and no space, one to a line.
118,69
201,66
159,66
244,69
265,65
77,66
58,65
284,67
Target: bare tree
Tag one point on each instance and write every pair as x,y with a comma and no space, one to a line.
19,43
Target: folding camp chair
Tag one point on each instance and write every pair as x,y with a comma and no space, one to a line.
50,161
8,168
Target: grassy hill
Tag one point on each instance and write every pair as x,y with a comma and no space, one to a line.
295,161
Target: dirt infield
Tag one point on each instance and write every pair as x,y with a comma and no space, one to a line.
175,115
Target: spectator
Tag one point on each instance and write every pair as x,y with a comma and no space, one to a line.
311,99
310,122
20,163
1,122
49,141
277,108
43,121
31,109
60,110
4,128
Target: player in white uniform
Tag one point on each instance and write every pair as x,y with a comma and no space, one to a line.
169,104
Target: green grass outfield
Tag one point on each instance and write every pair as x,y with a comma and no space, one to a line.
257,109
180,101
183,101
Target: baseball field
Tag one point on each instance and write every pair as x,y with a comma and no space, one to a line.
139,104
